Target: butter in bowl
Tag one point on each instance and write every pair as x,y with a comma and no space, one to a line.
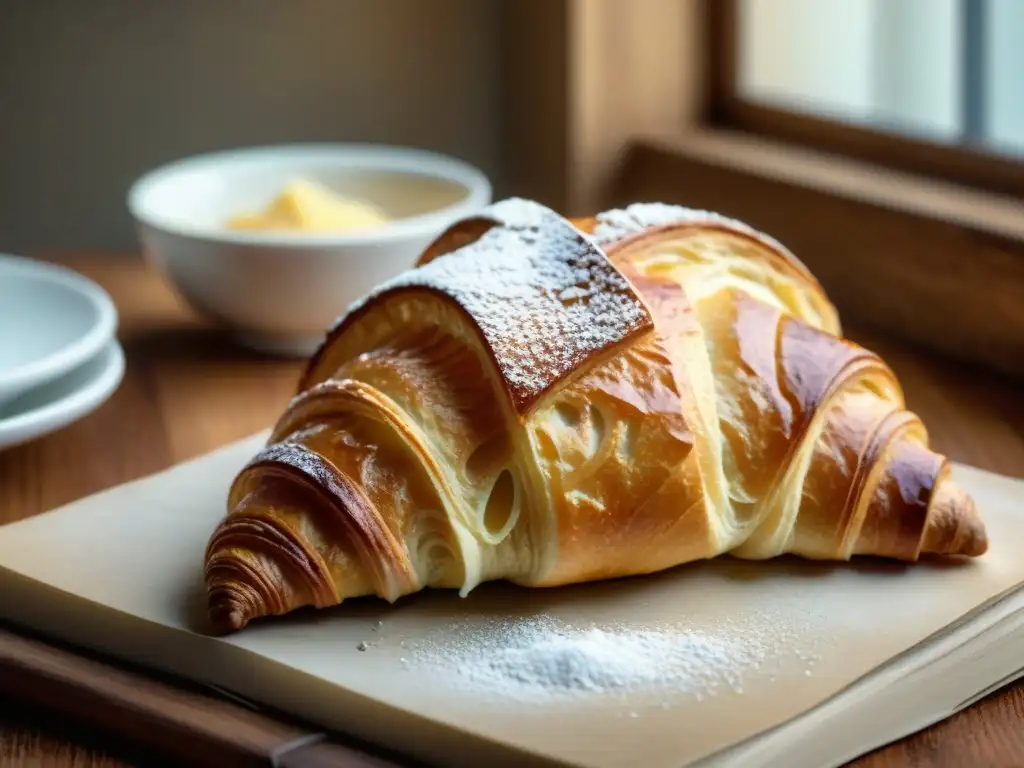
305,206
274,243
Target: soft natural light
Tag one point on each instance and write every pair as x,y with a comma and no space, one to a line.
947,70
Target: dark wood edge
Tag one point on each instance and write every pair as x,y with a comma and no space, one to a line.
173,718
721,56
961,165
971,166
942,286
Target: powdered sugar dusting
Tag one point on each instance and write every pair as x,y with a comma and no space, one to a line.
545,297
617,224
541,656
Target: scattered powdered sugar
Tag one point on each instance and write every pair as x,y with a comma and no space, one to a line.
545,297
598,660
541,656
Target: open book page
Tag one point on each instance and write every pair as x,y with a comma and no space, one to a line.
659,671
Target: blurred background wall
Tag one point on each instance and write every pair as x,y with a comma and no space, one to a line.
94,92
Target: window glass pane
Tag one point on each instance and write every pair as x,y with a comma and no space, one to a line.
807,55
1004,70
944,70
918,67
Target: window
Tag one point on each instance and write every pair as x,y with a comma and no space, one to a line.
930,86
881,140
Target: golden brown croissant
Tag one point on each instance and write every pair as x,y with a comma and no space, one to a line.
549,401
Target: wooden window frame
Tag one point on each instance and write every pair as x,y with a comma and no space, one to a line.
967,164
608,101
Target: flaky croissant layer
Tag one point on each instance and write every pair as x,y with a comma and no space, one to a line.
549,401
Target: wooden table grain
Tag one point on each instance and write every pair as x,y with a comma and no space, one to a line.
188,389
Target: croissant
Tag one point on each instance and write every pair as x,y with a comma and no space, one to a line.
548,401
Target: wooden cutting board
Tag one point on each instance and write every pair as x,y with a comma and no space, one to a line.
178,720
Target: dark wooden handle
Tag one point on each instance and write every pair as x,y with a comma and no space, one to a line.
183,724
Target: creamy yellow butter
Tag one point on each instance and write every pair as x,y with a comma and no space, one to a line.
305,206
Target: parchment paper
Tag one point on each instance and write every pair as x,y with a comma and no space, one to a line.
122,572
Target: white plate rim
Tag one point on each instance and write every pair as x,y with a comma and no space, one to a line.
87,346
75,405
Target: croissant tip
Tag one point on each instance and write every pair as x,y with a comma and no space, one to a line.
227,619
954,526
233,621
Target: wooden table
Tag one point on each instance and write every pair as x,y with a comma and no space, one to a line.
187,389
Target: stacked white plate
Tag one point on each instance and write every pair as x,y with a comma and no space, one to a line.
59,356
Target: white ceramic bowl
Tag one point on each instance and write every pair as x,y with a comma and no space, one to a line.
280,291
51,320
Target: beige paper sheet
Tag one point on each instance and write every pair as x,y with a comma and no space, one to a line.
121,571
